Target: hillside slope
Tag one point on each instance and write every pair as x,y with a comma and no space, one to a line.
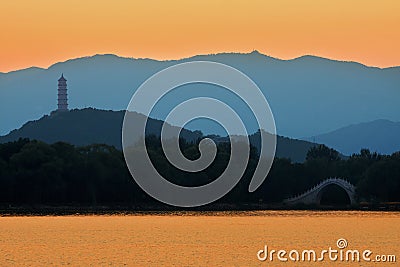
382,136
89,126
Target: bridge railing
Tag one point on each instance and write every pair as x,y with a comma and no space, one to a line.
347,184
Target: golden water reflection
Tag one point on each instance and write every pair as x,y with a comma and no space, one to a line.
192,238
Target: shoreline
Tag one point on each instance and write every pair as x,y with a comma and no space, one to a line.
66,210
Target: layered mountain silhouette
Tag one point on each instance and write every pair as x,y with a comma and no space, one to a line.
308,95
90,126
382,136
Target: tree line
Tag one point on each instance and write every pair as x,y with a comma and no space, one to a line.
36,173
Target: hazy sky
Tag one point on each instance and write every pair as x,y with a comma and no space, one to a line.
43,32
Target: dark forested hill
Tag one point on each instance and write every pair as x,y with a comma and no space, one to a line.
84,127
93,126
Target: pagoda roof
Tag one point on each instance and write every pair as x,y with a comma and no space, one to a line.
62,78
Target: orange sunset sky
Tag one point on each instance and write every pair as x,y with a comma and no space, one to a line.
43,32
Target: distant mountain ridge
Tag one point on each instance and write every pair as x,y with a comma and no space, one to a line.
308,95
89,126
382,136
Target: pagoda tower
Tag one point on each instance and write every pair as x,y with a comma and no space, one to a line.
62,94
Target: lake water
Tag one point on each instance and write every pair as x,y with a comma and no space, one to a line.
195,239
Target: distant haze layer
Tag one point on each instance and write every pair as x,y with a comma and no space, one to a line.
308,95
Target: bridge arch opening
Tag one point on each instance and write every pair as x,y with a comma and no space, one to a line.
334,195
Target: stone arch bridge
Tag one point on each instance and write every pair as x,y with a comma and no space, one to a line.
313,195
